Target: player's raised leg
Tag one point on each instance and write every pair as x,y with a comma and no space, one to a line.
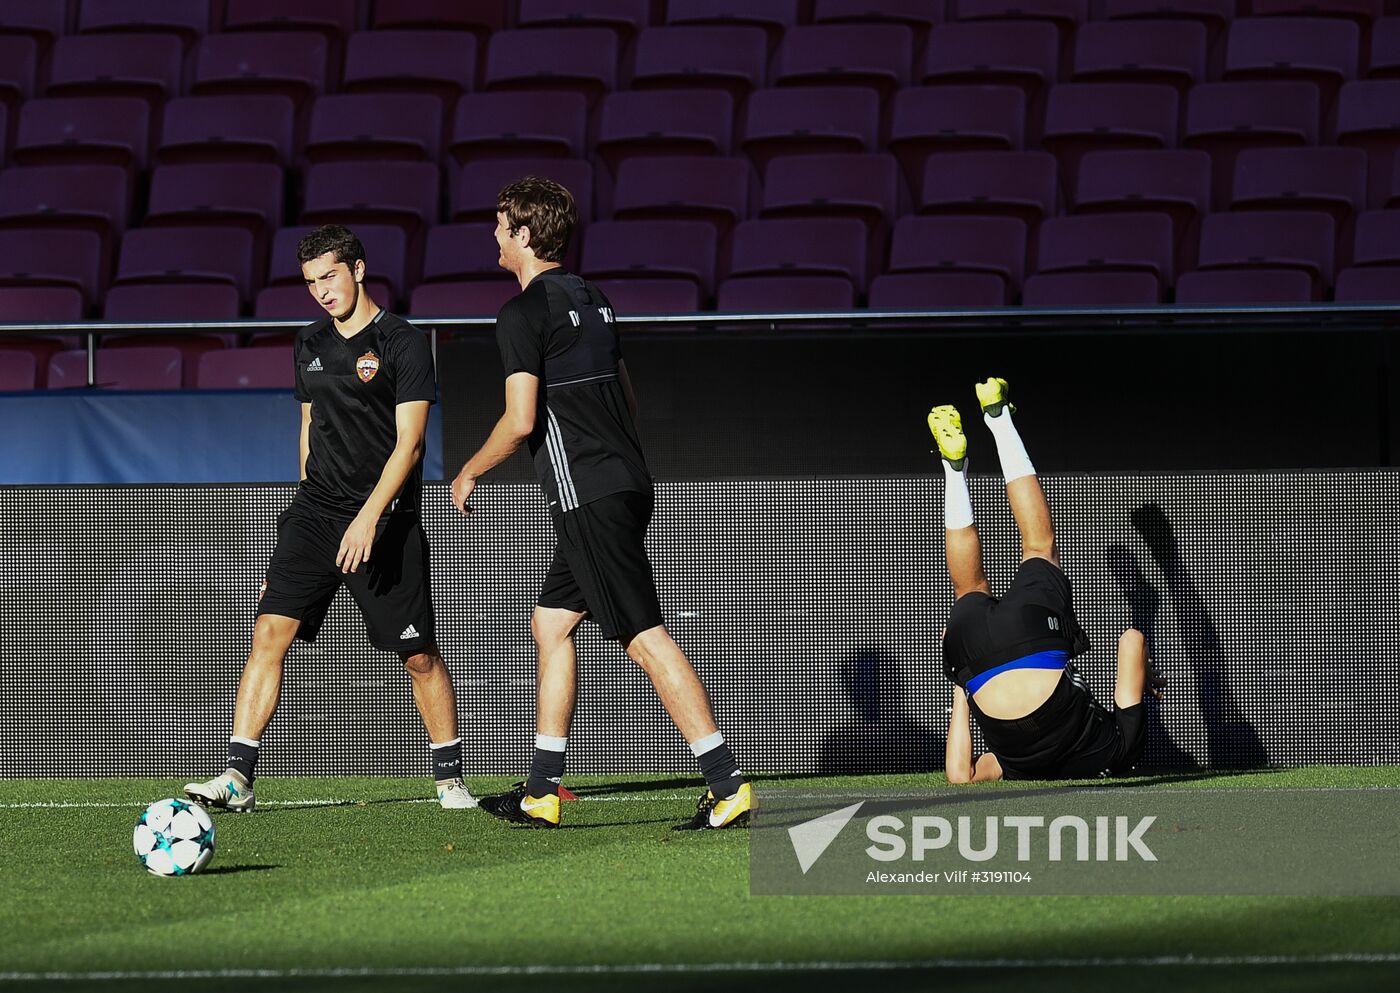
964,546
1023,492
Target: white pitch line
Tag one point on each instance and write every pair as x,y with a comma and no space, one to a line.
669,968
330,802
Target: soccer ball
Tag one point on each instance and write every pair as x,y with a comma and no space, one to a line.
174,838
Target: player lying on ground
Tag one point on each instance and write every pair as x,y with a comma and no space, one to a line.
1009,657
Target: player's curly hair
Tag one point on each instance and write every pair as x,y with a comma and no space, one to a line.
546,208
332,239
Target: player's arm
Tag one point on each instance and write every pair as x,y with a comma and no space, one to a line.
305,436
958,763
510,432
411,427
627,390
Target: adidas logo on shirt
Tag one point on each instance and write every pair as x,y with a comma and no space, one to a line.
315,365
408,632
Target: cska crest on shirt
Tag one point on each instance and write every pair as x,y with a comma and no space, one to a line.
366,366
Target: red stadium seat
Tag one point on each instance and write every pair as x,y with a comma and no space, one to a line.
1174,182
689,57
866,187
283,63
663,122
808,120
802,246
1109,243
92,130
772,16
145,66
64,258
995,245
1377,238
140,302
148,368
332,18
1320,50
188,255
1328,179
875,56
481,17
937,291
1385,49
1369,284
90,197
1244,286
264,368
387,261
291,303
459,252
932,120
917,15
1224,119
785,295
19,67
41,20
478,298
1299,240
1214,15
1085,117
716,190
186,20
1092,289
19,368
519,126
1171,53
1367,119
1361,11
1023,54
434,63
478,184
1021,184
1065,14
35,304
228,129
400,193
651,296
218,195
622,17
190,346
375,127
647,249
579,60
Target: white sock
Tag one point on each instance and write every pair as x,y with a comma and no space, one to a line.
1015,463
706,744
551,743
957,503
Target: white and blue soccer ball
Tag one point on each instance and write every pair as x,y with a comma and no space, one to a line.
174,838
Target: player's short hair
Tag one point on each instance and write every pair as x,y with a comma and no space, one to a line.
331,239
546,208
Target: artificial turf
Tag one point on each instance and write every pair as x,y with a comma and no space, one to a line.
359,892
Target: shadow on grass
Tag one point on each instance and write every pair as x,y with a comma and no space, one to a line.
228,870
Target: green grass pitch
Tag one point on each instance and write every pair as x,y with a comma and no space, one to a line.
373,889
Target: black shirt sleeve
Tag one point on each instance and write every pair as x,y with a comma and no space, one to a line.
302,394
521,328
413,367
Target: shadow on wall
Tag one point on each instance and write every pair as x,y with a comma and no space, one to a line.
1231,742
878,735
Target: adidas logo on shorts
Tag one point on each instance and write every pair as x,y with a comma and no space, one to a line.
408,632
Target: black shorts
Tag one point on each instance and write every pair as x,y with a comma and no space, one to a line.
1112,744
601,567
1036,615
1069,736
391,590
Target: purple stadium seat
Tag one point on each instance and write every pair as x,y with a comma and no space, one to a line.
802,246
1111,242
785,294
519,126
579,60
1224,119
400,193
169,302
187,255
91,197
1321,50
868,187
1368,118
1377,238
773,16
1092,289
917,15
291,303
42,20
19,66
1085,117
1171,53
148,368
145,66
929,120
53,258
1065,14
264,368
187,20
718,191
1327,179
664,122
876,56
1244,286
1301,240
689,57
1214,15
190,346
478,183
1369,284
1385,49
94,130
38,350
643,249
387,262
1175,182
937,291
995,245
227,129
332,18
1394,199
239,194
478,298
32,304
19,368
481,17
375,127
1361,11
436,63
284,63
624,18
462,252
993,53
1021,184
651,296
807,120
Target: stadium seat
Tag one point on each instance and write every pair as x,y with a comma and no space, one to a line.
1092,289
19,67
1320,50
222,194
867,187
481,17
145,66
291,303
1368,119
876,56
282,63
1394,199
1109,243
719,191
1369,284
1377,238
785,294
1214,15
1224,119
802,246
190,346
919,16
332,18
651,296
91,197
400,193
519,126
227,129
19,368
647,249
433,63
1300,240
478,183
35,304
688,57
937,291
375,127
147,368
188,255
1064,14
1361,11
807,120
773,16
1085,117
579,60
664,122
1172,53
39,349
1244,286
140,302
1385,49
1021,184
624,18
41,20
459,252
186,20
476,298
92,130
387,263
995,245
64,258
1175,182
1327,179
929,120
1023,54
263,368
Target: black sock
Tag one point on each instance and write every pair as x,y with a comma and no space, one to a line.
447,760
547,766
243,756
718,766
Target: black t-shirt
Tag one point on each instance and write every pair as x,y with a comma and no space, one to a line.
585,446
353,386
1047,743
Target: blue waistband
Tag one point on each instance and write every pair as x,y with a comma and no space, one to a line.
1053,659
